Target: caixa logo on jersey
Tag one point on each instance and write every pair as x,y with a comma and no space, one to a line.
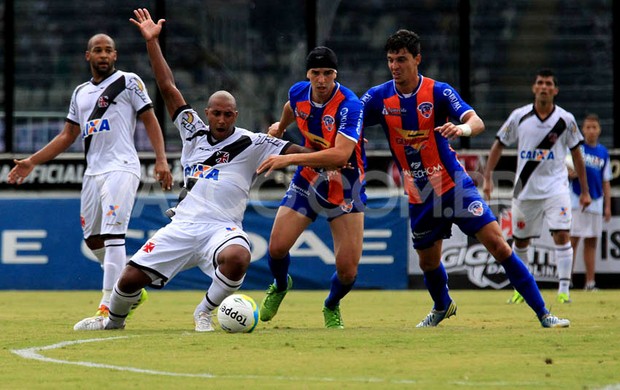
95,126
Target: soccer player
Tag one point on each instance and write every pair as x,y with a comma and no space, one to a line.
588,223
103,112
206,230
413,111
544,132
329,117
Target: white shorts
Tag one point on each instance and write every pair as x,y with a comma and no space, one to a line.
107,201
586,225
527,215
181,245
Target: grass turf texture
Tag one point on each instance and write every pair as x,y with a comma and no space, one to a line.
489,344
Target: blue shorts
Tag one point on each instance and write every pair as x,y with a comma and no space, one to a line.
432,220
304,199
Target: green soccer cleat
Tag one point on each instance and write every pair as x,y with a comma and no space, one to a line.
516,298
333,319
143,298
551,321
563,298
436,316
273,298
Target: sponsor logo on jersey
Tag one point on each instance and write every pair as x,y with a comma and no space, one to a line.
301,114
200,171
414,138
187,121
393,111
537,155
221,157
476,208
454,101
112,210
138,88
426,109
424,171
563,211
328,122
103,101
148,247
95,126
231,229
315,139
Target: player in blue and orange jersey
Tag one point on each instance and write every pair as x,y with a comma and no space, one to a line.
415,113
329,117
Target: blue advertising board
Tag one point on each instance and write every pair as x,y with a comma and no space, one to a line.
41,246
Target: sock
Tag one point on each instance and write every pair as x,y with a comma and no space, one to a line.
279,270
220,288
99,254
115,259
436,282
120,305
564,261
523,281
337,292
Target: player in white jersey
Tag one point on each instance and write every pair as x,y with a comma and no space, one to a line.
544,132
206,231
103,111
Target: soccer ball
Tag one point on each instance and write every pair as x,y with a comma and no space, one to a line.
238,313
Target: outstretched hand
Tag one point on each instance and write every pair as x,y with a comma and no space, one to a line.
145,23
20,171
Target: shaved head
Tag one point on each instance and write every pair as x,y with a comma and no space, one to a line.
222,97
98,38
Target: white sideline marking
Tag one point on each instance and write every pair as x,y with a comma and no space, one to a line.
33,353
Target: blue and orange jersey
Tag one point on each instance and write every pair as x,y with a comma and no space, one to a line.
425,158
319,124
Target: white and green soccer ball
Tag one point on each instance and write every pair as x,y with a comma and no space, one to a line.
238,313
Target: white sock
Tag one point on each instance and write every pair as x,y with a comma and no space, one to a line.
99,254
564,263
522,253
115,259
220,288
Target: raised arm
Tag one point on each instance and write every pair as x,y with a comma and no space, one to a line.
59,144
288,116
162,72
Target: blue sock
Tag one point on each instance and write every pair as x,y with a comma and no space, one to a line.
523,281
337,292
279,270
436,282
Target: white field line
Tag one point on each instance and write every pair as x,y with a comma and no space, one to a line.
33,353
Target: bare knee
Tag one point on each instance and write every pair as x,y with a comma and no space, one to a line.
94,242
132,279
234,261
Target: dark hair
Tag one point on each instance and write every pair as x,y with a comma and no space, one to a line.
592,117
546,72
403,39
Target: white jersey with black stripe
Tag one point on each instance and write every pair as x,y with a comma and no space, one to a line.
542,146
107,113
223,171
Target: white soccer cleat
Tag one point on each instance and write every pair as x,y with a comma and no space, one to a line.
204,322
91,323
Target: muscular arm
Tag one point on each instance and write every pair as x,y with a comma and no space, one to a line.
162,72
450,130
492,160
288,116
59,144
338,156
153,131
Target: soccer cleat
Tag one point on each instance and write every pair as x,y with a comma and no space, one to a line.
436,316
91,323
204,322
143,298
333,319
551,321
590,287
516,298
273,298
563,298
102,311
